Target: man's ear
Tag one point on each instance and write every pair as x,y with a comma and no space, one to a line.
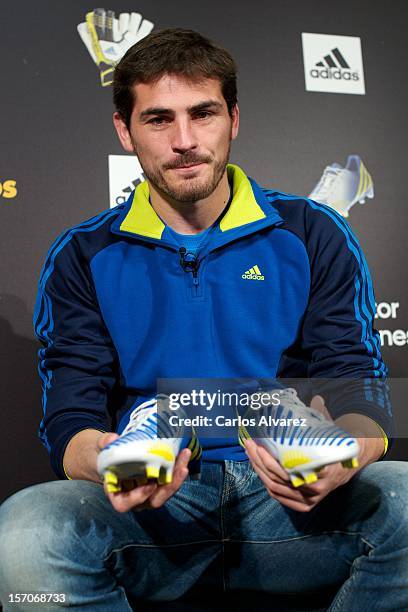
123,132
235,121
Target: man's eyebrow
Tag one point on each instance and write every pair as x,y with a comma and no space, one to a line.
160,110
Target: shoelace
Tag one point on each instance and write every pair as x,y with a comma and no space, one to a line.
320,424
323,186
153,419
290,400
140,415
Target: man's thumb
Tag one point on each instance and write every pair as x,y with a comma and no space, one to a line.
106,439
318,404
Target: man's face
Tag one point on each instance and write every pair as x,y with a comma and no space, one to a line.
181,132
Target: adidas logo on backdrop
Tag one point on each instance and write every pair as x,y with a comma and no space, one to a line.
333,63
334,66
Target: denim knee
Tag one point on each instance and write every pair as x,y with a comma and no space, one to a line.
54,538
38,528
384,485
391,477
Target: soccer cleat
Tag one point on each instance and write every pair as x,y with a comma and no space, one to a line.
147,448
341,188
302,447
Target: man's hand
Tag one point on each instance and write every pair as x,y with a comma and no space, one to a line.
279,486
277,481
149,496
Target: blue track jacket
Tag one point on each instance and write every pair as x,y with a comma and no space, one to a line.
282,290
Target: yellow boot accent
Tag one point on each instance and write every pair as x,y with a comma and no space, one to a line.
242,436
165,477
111,488
112,482
168,478
350,463
162,450
111,478
243,431
310,478
296,481
196,453
292,458
195,447
152,472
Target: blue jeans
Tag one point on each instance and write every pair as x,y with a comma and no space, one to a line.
224,532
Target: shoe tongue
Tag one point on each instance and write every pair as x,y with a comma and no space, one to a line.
333,168
292,400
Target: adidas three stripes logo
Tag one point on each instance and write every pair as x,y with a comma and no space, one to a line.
253,274
333,60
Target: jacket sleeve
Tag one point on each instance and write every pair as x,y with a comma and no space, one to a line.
337,339
78,363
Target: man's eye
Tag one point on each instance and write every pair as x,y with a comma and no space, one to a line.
203,114
157,120
162,120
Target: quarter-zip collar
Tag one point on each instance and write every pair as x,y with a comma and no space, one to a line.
248,212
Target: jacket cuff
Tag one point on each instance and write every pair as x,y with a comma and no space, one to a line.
384,436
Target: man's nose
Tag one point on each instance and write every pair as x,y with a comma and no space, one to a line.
183,136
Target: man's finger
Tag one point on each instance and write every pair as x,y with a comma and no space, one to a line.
262,458
106,438
273,482
272,464
282,490
125,500
317,403
152,495
323,482
180,473
295,505
164,492
260,466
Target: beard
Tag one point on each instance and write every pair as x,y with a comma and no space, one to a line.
187,189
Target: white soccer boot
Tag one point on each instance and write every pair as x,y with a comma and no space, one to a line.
341,187
147,448
299,437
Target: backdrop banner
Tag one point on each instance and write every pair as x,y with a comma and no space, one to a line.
323,114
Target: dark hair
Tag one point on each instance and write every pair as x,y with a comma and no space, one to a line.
172,51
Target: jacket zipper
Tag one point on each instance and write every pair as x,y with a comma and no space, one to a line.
191,265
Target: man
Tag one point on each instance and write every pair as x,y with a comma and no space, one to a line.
116,311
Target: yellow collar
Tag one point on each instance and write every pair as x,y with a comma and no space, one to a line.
142,219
